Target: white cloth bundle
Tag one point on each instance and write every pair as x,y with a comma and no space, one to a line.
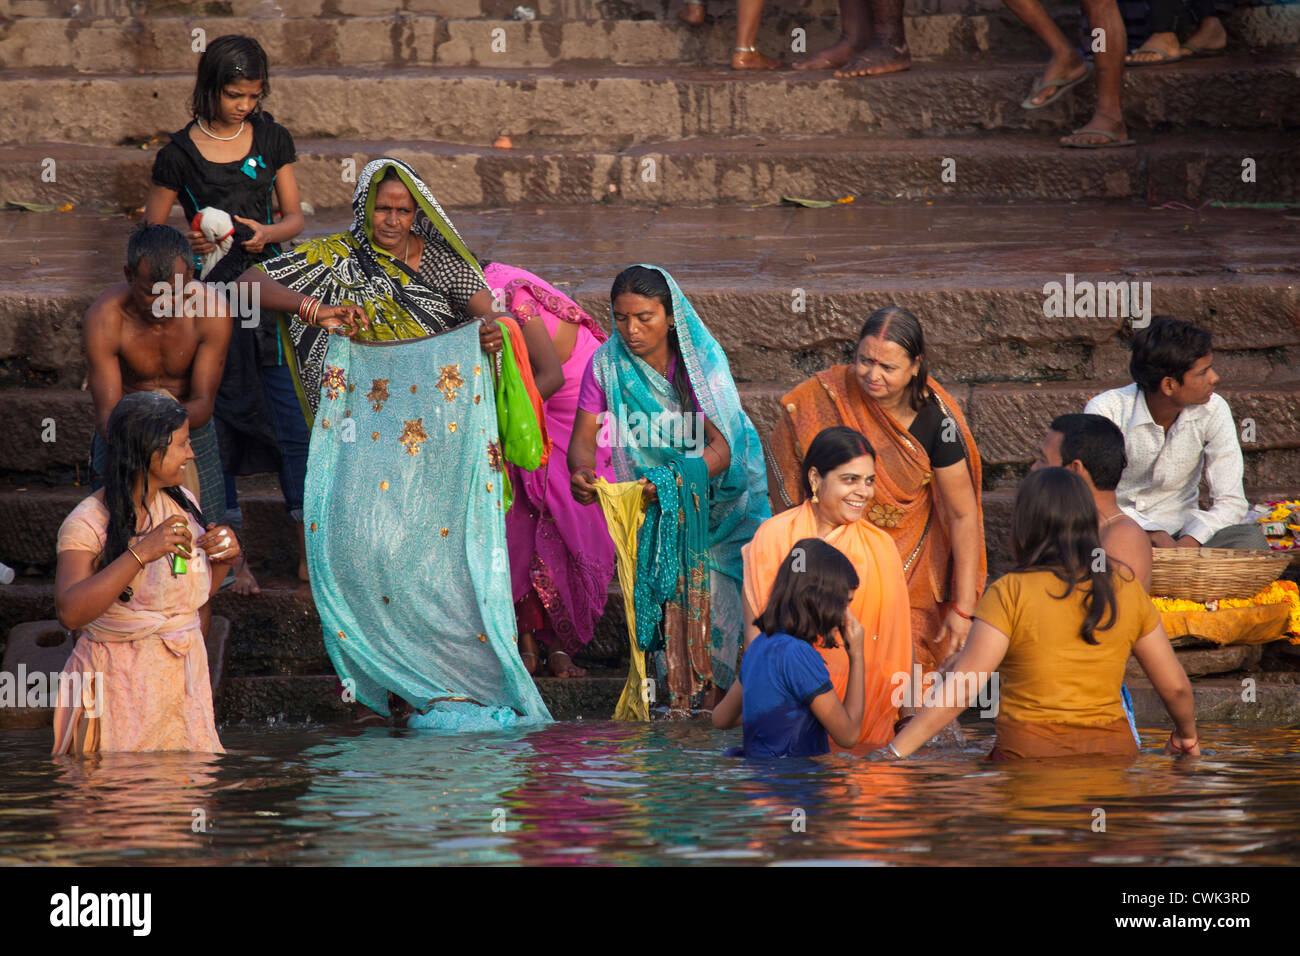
219,229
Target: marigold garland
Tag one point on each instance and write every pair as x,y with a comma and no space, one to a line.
1279,592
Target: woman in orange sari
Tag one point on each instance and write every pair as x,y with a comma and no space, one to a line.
927,492
838,486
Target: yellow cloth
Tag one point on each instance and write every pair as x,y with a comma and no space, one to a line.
1049,672
624,514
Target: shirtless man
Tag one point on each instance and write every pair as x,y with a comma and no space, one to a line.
1093,448
137,340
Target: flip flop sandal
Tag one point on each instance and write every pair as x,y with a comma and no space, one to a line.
1062,87
1114,143
1163,58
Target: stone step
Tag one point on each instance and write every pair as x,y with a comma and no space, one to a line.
1180,167
613,107
270,10
973,273
1007,419
301,698
1275,701
278,632
165,44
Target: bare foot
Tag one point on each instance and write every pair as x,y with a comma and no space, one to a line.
878,59
1057,74
692,14
1158,48
1094,132
245,583
1209,37
753,60
562,665
528,652
831,58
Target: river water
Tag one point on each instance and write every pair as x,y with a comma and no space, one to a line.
599,792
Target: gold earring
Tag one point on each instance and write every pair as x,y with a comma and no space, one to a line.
814,497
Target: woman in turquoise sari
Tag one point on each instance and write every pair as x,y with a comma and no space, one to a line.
675,423
404,516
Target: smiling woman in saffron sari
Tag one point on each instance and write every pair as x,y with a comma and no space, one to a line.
412,583
672,410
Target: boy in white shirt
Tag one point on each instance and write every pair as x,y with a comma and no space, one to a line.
1176,429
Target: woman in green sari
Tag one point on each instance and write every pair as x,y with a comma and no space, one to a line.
412,583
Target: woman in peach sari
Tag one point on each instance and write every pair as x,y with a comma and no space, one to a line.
927,492
135,565
838,485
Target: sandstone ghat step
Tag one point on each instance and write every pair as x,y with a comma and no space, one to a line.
315,697
1007,420
278,632
618,106
737,169
165,44
974,273
1218,700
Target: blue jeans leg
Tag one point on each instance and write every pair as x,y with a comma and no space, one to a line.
290,432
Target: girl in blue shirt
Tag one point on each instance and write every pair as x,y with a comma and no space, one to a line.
788,707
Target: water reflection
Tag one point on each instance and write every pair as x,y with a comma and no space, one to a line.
601,793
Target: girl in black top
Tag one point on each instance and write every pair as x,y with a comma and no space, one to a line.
233,156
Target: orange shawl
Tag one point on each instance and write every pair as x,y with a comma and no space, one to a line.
880,604
907,505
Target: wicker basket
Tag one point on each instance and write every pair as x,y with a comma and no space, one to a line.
1211,574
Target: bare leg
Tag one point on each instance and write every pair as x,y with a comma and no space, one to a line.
1066,64
692,13
1109,115
528,651
745,57
855,33
888,51
302,552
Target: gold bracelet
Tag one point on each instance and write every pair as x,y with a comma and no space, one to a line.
137,558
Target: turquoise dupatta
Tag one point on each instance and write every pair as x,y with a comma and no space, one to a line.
406,533
737,498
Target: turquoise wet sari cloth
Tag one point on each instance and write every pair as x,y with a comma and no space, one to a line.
737,499
406,533
673,594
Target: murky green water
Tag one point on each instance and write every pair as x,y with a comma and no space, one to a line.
608,793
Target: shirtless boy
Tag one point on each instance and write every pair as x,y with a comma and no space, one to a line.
1093,448
138,341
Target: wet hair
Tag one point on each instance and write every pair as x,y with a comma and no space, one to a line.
650,283
831,448
1167,348
904,330
158,247
139,427
228,58
1097,443
1054,528
812,590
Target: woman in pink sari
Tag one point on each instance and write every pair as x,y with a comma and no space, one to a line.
561,557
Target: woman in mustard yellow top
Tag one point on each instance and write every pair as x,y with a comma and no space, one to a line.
1059,629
